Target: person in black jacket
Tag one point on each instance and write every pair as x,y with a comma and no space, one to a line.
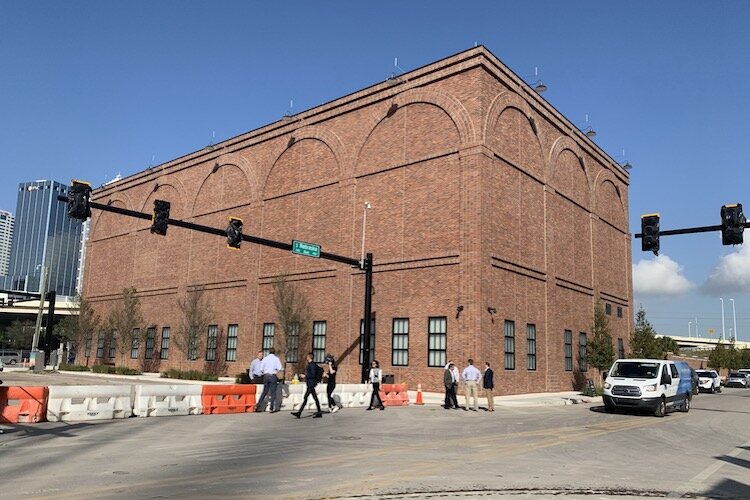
488,384
311,379
329,377
450,387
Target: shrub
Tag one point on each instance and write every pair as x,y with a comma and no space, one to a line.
73,368
103,369
189,375
242,378
124,370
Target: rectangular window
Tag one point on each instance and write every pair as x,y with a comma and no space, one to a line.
135,343
620,349
437,341
100,345
608,309
269,330
150,341
582,352
531,346
619,311
568,351
89,341
292,343
232,331
213,334
164,350
362,340
510,345
319,341
113,345
400,343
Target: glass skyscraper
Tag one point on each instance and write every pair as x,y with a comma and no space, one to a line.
43,235
6,239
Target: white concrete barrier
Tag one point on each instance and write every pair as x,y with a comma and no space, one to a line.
71,403
167,400
348,395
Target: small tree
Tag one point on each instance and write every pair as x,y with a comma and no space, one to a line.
196,315
600,352
643,342
79,327
717,358
127,320
20,334
293,313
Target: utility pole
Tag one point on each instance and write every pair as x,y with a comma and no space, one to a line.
38,327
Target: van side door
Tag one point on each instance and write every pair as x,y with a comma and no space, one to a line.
670,392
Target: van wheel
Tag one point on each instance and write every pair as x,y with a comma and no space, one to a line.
661,409
713,390
686,404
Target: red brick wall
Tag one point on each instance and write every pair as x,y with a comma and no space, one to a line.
483,197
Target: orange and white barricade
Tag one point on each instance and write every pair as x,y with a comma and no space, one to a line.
23,405
230,398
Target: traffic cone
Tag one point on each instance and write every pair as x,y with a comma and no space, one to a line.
419,395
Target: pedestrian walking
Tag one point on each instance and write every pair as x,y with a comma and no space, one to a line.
471,377
374,378
488,384
255,373
313,375
329,377
270,366
450,384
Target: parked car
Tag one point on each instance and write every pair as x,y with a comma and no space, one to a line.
709,381
2,365
737,379
10,356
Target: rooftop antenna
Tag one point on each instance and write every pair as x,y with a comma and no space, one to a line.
395,78
289,112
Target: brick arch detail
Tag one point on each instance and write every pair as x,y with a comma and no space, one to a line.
122,198
560,145
246,167
169,181
450,105
603,177
322,134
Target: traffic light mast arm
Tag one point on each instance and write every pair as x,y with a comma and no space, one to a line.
219,232
688,230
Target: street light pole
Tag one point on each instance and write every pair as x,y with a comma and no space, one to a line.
690,323
734,318
723,337
38,327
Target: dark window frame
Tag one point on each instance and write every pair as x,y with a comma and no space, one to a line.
320,329
212,341
269,332
509,347
400,342
568,350
437,341
166,332
531,346
150,342
233,333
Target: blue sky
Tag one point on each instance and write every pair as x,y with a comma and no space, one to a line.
90,89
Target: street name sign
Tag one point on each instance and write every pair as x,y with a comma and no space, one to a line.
304,248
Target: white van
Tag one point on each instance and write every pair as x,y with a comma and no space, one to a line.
656,385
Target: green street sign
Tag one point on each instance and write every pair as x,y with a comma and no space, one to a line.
304,248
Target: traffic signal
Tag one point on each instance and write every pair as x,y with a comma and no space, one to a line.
650,233
732,224
78,200
160,218
234,232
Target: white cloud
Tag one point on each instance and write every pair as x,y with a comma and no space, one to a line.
731,274
660,276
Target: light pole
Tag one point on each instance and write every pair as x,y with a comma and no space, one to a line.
690,323
38,327
368,206
723,338
734,318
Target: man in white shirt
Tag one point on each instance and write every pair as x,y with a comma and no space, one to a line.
255,373
471,377
270,366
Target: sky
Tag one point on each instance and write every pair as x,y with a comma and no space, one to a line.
92,89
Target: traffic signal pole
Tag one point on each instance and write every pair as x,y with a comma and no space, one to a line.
366,265
689,230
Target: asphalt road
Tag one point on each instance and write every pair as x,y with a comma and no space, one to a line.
577,451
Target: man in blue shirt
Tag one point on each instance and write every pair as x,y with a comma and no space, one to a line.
270,366
256,374
311,379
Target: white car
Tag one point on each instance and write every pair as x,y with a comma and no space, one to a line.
709,381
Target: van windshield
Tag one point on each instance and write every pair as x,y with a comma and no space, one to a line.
635,369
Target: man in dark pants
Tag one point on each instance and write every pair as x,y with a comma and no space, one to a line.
311,378
450,388
270,366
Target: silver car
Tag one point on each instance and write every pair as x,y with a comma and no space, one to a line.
736,379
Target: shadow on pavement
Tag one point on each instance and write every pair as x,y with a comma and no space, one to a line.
728,488
734,460
20,431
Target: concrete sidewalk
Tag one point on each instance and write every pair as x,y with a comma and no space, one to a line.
514,400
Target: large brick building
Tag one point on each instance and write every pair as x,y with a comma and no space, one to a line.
495,226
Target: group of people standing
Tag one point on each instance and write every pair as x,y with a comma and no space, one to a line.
471,378
266,370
